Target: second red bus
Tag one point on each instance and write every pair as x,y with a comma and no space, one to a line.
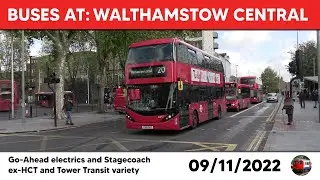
237,96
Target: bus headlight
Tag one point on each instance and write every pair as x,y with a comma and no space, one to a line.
169,116
129,117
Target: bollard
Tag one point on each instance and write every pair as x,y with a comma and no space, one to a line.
31,111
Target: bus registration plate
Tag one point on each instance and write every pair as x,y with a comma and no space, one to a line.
147,127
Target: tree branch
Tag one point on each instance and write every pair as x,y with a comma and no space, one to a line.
51,36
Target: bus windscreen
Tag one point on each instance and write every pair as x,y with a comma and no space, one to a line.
151,53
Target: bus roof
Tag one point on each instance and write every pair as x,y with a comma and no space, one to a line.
246,77
152,42
169,40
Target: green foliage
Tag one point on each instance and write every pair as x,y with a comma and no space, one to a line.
270,80
309,56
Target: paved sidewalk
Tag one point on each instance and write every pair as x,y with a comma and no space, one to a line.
46,123
303,135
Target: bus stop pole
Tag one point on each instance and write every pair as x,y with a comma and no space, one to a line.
318,59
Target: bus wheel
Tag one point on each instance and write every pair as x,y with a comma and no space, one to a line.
195,119
238,109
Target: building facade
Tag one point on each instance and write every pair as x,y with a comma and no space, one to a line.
205,40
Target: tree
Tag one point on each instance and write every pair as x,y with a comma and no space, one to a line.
270,80
309,56
60,43
5,53
233,79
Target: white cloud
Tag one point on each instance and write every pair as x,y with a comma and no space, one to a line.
311,35
244,38
247,57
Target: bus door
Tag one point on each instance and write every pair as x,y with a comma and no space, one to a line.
239,97
210,104
183,104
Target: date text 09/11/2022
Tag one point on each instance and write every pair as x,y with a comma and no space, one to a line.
256,165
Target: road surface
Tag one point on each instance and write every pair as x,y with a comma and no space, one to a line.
237,131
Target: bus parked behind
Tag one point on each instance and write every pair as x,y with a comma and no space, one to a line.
237,96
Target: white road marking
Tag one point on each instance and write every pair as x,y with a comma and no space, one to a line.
247,109
253,116
43,145
119,145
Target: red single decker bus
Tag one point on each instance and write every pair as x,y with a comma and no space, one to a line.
172,85
120,100
6,93
237,96
255,84
45,99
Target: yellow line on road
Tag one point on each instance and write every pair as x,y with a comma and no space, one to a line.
231,147
255,143
255,139
82,145
263,133
276,109
206,147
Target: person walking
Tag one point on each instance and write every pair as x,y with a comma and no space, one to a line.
288,106
302,98
315,97
67,107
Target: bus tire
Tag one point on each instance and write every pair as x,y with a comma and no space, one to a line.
238,109
195,119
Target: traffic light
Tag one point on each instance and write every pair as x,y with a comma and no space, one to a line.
298,58
292,67
52,79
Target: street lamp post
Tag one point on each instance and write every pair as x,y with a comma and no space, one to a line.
22,78
30,86
12,79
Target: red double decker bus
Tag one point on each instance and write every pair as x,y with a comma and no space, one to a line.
255,84
172,85
237,96
6,93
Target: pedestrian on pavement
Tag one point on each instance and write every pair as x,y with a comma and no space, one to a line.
288,106
315,97
302,98
67,107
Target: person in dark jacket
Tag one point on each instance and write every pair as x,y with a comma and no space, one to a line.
288,106
302,98
67,107
315,97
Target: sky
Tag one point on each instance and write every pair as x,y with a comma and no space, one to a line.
251,52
